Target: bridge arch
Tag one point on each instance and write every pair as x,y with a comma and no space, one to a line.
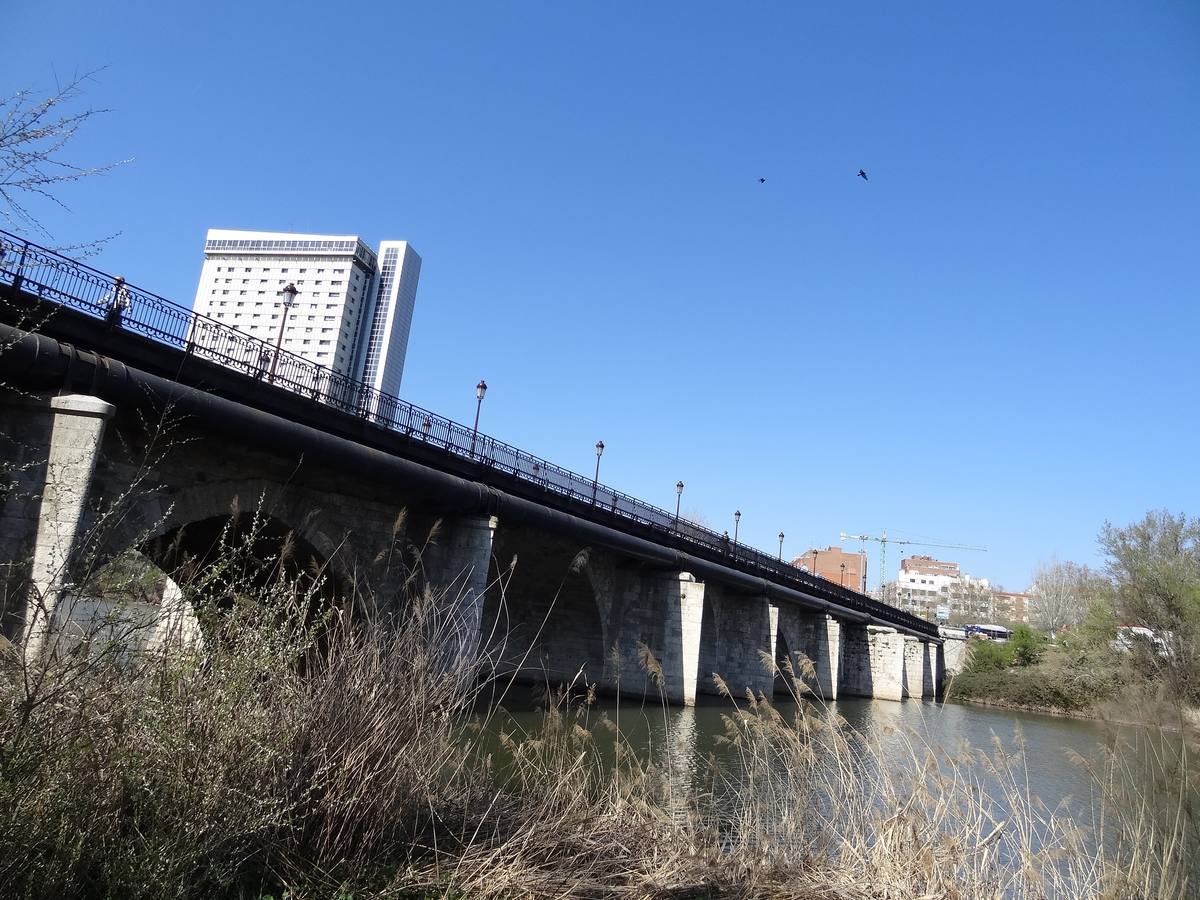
268,530
149,520
547,624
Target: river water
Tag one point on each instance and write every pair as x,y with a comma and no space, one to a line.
692,734
687,742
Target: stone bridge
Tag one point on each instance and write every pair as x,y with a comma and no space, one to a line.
160,450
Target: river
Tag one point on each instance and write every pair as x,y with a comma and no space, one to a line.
686,741
695,732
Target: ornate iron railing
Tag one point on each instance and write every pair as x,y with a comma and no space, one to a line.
47,275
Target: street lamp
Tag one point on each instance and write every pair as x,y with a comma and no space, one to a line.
737,520
843,574
781,546
678,498
815,572
289,300
480,390
596,477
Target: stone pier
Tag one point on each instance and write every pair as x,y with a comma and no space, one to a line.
736,631
457,568
816,636
872,662
56,519
664,612
918,668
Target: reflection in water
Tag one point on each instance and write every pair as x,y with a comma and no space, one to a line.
694,750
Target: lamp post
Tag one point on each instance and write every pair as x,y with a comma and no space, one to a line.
815,572
678,498
737,520
596,477
289,300
781,546
843,574
480,390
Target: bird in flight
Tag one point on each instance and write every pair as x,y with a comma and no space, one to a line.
762,181
862,173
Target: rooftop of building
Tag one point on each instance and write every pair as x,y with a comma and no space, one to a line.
237,241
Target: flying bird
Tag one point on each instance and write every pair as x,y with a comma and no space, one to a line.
762,181
862,173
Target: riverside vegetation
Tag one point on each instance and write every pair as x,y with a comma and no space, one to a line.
1152,580
300,749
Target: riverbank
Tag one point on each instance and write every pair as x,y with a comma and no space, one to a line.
1072,685
1122,713
260,766
292,748
1056,683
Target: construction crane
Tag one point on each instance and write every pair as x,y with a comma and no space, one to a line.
884,541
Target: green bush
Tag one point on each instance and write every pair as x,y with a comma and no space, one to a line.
1026,645
1030,688
988,656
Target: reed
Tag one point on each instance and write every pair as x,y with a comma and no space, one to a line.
305,750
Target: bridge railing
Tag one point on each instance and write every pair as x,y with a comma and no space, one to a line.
52,277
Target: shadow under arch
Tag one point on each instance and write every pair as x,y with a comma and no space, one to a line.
231,558
144,519
546,626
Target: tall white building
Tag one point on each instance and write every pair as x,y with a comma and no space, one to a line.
384,349
349,313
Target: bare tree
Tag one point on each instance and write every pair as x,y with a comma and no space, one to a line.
35,131
1061,594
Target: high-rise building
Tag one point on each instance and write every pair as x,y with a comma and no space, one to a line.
391,317
351,314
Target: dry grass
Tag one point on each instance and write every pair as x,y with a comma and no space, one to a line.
340,756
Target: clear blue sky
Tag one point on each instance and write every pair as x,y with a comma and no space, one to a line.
992,342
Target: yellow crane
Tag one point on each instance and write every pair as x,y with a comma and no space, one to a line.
884,540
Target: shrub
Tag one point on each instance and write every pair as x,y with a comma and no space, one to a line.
989,656
339,757
1026,645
